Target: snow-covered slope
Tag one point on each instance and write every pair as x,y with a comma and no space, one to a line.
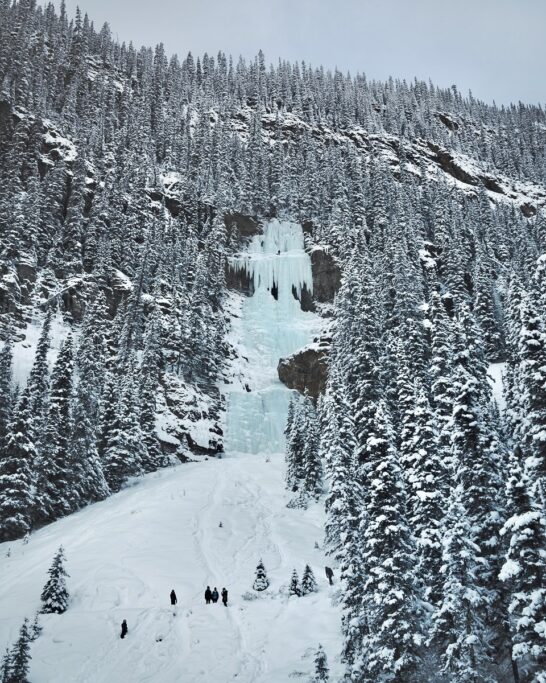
126,554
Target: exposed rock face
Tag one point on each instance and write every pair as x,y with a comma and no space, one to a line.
326,276
445,160
239,280
306,300
172,204
244,226
306,370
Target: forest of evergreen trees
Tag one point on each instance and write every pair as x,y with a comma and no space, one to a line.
436,501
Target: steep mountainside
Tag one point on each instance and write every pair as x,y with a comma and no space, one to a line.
134,188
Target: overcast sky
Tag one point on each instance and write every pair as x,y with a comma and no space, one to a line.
496,48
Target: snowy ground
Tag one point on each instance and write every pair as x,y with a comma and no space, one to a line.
124,556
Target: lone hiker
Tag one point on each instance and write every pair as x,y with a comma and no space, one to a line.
224,597
329,574
208,595
215,595
124,628
173,597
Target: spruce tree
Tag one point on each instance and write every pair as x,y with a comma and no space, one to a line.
524,573
294,587
425,476
18,667
55,472
6,388
308,581
38,381
532,353
459,628
322,673
16,474
55,593
261,582
125,452
390,598
312,465
5,667
295,444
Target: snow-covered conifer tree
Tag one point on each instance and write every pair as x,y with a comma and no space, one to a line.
18,664
261,582
16,474
125,449
390,597
55,472
524,573
459,628
6,388
55,593
294,588
308,581
322,673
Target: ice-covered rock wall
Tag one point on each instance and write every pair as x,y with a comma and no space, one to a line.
270,326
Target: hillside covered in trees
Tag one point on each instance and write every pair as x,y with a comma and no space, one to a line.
131,179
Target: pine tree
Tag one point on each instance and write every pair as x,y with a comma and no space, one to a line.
125,452
322,672
149,383
295,444
261,582
6,389
36,629
390,599
16,474
531,434
294,588
311,465
441,368
19,657
459,629
38,381
5,667
524,573
343,509
55,471
55,593
308,581
425,477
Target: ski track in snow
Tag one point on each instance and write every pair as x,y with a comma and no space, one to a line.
125,554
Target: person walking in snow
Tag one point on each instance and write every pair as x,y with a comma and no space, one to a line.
208,595
329,574
173,597
224,597
124,629
215,595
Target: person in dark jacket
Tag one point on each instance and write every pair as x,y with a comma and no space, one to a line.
224,597
215,595
124,628
173,597
208,595
329,574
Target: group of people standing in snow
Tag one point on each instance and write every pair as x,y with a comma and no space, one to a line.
212,596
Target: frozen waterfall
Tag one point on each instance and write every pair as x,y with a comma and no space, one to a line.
270,326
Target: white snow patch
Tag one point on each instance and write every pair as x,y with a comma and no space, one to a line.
496,371
25,350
